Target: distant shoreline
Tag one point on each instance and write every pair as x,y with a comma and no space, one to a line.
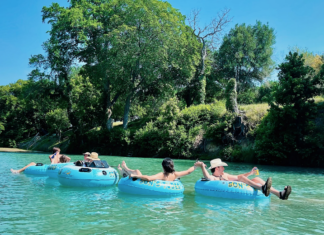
16,150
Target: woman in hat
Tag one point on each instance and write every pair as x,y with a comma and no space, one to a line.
168,174
217,170
91,157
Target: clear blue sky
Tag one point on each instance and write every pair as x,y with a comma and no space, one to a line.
296,23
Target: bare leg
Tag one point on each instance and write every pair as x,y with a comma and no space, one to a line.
130,171
22,169
253,184
262,182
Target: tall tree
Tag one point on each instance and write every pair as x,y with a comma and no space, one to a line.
283,135
245,55
208,37
153,43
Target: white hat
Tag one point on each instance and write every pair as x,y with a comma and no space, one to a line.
216,162
94,156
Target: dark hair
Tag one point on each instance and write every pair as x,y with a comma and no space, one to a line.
213,170
55,149
168,165
63,159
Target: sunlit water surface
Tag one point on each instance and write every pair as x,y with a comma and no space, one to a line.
40,205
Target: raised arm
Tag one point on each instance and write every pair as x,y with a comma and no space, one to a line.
204,171
252,172
237,177
179,174
158,176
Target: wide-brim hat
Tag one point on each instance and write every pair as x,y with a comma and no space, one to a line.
86,153
93,156
216,162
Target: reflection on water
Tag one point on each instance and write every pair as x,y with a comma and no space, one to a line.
225,206
30,204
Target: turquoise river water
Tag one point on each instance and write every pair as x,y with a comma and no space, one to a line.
38,205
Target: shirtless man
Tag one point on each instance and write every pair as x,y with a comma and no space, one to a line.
217,170
55,157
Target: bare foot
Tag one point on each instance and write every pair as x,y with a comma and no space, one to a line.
119,168
14,171
122,171
124,165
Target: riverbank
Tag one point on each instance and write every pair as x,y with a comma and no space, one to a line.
16,150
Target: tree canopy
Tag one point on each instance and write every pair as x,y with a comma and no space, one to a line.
245,54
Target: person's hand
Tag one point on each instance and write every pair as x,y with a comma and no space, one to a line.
253,171
198,164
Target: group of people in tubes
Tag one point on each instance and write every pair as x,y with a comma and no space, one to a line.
169,174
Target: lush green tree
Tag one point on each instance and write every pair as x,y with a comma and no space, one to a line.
57,121
127,46
283,135
18,120
245,54
156,44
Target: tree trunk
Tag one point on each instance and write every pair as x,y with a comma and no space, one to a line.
108,112
126,111
109,123
202,77
202,89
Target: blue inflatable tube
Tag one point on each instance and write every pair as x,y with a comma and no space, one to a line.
53,169
228,189
76,176
156,187
38,169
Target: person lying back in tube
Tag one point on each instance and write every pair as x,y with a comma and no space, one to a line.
55,157
62,159
168,174
217,170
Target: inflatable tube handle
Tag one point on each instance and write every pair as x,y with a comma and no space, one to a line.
39,164
85,170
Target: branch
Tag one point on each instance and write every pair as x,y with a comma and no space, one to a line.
212,31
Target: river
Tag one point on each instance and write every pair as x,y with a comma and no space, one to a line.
39,205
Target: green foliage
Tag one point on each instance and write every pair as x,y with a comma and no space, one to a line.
243,153
219,129
245,54
284,135
174,132
57,121
265,92
248,96
2,128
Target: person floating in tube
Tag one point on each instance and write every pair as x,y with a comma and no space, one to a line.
168,174
217,170
56,157
88,158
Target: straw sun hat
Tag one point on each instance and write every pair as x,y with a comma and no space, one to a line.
93,156
216,162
